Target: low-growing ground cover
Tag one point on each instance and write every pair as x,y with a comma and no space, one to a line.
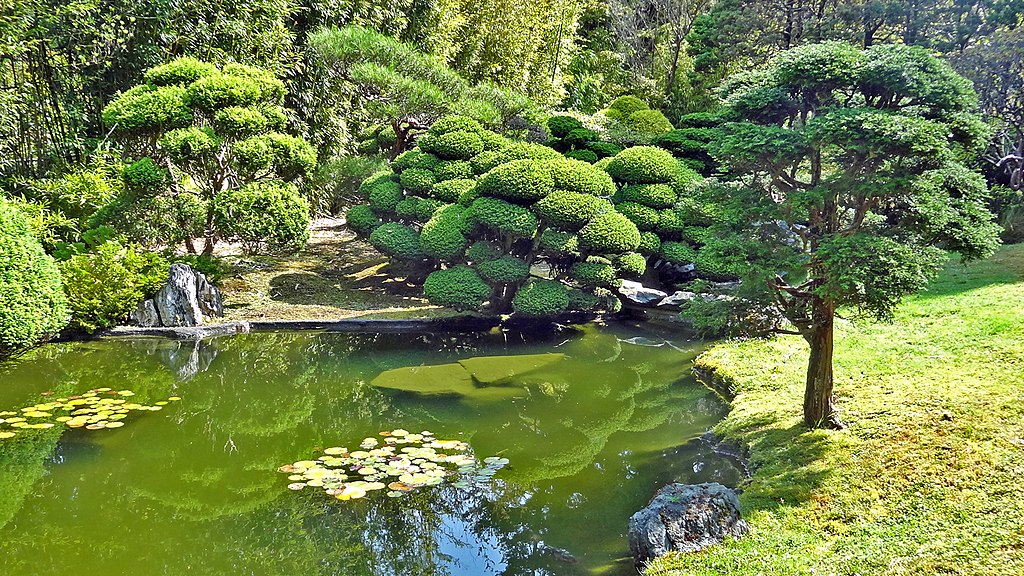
927,478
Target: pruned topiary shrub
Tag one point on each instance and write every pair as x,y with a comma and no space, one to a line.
263,214
541,298
609,232
503,217
569,210
443,236
517,181
397,240
362,219
504,270
643,165
561,126
460,288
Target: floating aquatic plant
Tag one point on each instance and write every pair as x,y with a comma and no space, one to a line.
97,409
400,462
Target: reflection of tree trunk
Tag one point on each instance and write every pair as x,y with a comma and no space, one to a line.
819,404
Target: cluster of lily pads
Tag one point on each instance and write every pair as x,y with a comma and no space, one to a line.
400,462
97,409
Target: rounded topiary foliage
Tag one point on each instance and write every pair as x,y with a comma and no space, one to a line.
650,243
504,270
443,236
609,233
721,260
526,151
483,251
579,137
678,142
653,195
417,180
583,301
604,149
560,126
559,242
649,122
645,217
503,217
569,210
697,213
541,298
578,176
397,240
453,169
144,177
414,159
450,190
385,196
416,208
261,214
629,264
375,180
180,71
460,288
623,106
582,155
362,219
454,123
484,161
678,253
591,273
643,165
519,180
33,306
670,223
458,145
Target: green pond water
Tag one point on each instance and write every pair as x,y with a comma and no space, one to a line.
590,431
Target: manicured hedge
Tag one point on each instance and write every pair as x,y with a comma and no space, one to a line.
460,288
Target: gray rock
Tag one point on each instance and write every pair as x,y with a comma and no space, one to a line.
639,293
187,298
685,518
146,314
677,298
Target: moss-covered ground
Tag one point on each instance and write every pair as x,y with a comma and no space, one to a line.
926,480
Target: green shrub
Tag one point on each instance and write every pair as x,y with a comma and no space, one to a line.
417,180
604,149
339,181
649,122
271,214
577,176
595,274
609,233
653,195
469,196
148,108
385,196
185,145
650,243
240,121
33,306
583,155
504,270
453,169
569,210
643,165
670,223
645,218
483,251
362,219
697,213
375,180
541,298
414,159
397,240
561,126
580,137
526,151
443,235
626,105
179,72
629,264
721,260
678,253
700,120
695,234
519,180
503,217
105,286
603,163
460,288
218,91
144,177
493,142
288,156
583,301
454,123
679,142
450,190
484,161
559,242
408,207
458,145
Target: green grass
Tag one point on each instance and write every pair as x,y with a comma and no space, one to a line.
926,480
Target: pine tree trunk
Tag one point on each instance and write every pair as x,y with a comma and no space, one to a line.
819,404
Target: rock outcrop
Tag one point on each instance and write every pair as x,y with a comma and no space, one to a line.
187,299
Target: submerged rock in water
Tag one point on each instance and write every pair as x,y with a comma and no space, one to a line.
187,299
496,370
685,518
442,380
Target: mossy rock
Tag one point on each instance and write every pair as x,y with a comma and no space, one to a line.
504,370
445,380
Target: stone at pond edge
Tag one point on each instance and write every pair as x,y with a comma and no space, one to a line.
187,299
639,293
685,518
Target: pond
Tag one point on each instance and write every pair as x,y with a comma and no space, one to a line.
590,430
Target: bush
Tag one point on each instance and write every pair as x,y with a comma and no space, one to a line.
385,196
580,137
526,151
519,180
721,260
362,219
629,264
458,145
147,108
459,288
179,72
453,169
595,274
644,217
218,91
670,223
643,165
609,233
583,301
653,195
417,209
649,122
450,190
504,217
483,251
144,177
650,243
695,234
484,161
288,156
240,121
583,155
569,210
504,270
105,286
541,298
443,235
561,126
577,176
397,240
604,149
32,303
271,214
417,180
194,144
678,253
414,159
340,181
559,242
454,123
376,179
627,105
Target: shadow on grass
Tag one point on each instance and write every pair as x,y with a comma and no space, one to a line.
1006,266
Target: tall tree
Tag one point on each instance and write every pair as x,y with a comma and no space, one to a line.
852,165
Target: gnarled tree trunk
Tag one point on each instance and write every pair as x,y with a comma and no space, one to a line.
819,404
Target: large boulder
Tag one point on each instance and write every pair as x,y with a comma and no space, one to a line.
187,299
685,518
639,293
